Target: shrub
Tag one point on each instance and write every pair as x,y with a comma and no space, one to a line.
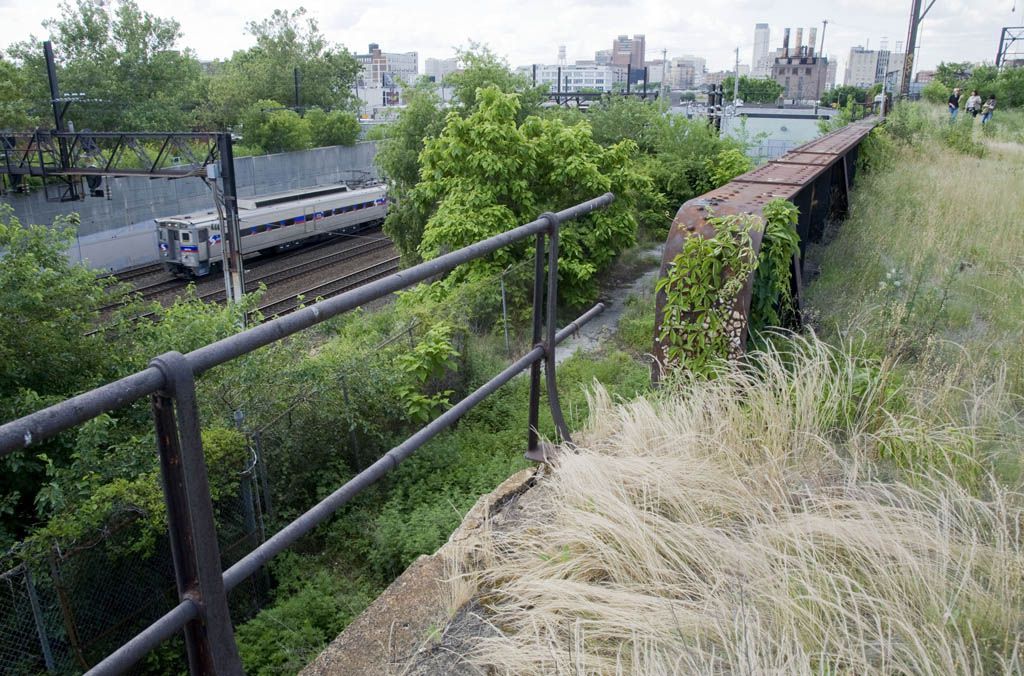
336,128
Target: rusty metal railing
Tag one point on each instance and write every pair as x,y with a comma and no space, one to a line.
816,177
170,383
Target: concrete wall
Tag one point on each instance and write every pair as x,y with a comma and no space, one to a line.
117,231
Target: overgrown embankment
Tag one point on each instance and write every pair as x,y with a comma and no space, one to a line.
849,503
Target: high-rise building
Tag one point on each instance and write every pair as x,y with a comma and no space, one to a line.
760,65
868,67
686,72
802,74
440,69
378,84
603,57
630,52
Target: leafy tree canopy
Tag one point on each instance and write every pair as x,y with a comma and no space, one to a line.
485,174
14,110
754,90
398,156
121,58
841,96
482,68
284,41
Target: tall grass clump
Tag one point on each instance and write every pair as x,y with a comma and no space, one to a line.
750,524
928,266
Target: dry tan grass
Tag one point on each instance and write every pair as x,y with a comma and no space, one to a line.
741,526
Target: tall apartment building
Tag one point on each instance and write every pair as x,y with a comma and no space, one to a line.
761,66
378,84
686,72
867,67
630,52
802,74
603,57
440,69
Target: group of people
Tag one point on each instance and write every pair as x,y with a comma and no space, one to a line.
974,105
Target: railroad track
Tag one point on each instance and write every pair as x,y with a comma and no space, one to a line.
217,295
129,274
157,288
331,288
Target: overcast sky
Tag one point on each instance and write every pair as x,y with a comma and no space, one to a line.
530,31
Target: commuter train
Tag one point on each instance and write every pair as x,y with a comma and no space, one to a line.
190,244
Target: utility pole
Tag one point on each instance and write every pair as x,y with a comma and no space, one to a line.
295,74
664,71
916,17
58,115
823,62
231,235
736,79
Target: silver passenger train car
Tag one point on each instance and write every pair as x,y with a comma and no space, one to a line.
190,245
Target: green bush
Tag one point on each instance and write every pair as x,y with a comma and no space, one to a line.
336,128
772,301
936,92
959,136
311,609
274,129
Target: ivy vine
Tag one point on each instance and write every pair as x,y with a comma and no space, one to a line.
699,325
700,287
772,302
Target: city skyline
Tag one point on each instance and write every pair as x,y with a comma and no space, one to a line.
954,30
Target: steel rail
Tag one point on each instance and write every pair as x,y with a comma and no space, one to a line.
308,266
332,287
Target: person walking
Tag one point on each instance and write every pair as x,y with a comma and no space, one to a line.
954,104
974,104
988,108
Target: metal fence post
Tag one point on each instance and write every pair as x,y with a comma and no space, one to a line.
37,615
533,449
209,638
504,314
268,503
552,329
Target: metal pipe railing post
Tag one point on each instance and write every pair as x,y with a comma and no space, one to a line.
552,329
533,450
209,638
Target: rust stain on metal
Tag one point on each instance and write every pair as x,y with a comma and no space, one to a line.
785,178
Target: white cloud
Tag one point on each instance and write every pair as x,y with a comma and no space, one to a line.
529,31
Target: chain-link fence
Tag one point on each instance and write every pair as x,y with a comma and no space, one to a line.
64,611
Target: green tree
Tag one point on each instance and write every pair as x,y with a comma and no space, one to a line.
272,128
953,74
123,59
935,92
482,68
14,108
398,158
684,157
285,41
843,95
47,306
754,90
336,128
485,174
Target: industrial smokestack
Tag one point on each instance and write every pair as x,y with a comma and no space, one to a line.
812,39
785,42
798,48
